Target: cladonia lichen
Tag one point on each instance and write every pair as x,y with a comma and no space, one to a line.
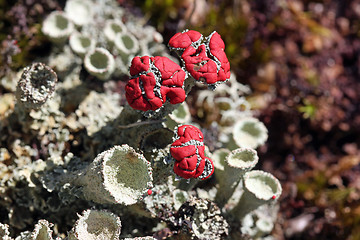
100,128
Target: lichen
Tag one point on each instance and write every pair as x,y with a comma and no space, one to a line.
75,145
204,219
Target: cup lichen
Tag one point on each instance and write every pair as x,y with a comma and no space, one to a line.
36,86
249,132
259,188
118,175
81,44
235,165
100,63
88,148
58,27
96,224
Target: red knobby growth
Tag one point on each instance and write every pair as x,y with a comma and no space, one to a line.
217,50
199,65
188,152
184,39
154,80
139,65
206,62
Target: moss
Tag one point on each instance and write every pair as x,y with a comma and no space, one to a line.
308,110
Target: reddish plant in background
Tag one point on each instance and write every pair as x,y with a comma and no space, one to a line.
188,151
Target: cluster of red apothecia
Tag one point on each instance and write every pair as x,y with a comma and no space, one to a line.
188,152
204,58
158,79
155,80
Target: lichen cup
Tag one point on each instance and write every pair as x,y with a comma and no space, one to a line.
57,27
35,86
79,11
118,175
127,45
99,63
249,132
81,44
235,165
112,28
259,188
96,224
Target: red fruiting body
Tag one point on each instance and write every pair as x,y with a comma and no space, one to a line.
139,65
158,79
186,133
188,152
206,60
180,168
149,192
154,80
217,47
199,65
142,100
173,78
184,39
273,197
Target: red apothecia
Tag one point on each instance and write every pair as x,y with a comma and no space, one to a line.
155,80
204,58
188,152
